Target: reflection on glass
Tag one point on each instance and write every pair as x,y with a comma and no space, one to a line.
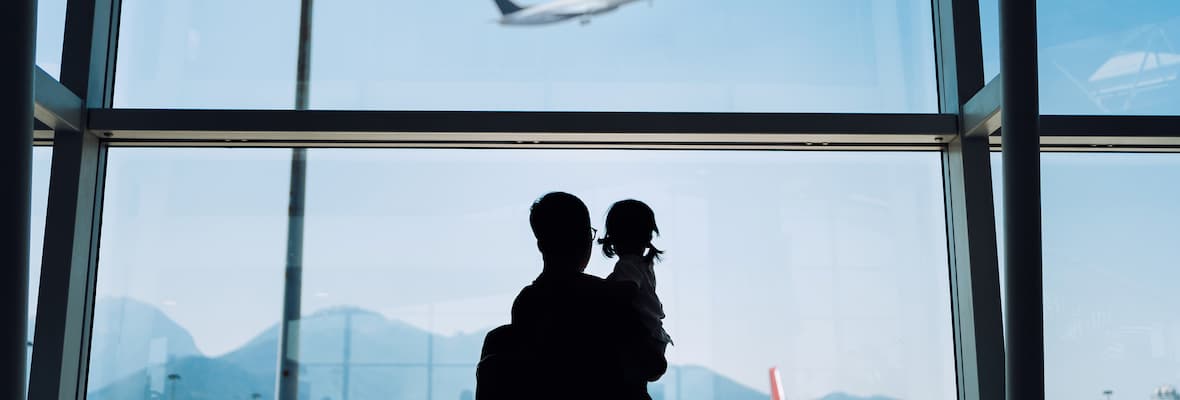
1101,57
207,54
1110,228
830,266
42,158
684,55
51,29
1110,57
989,23
190,274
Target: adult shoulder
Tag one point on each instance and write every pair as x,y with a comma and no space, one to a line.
614,294
524,303
607,286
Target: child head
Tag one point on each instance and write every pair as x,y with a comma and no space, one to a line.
630,225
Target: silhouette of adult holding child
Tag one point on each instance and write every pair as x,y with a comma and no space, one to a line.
573,335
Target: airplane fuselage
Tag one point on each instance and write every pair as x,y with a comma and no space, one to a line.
561,10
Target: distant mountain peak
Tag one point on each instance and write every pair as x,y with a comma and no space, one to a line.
345,310
123,364
846,396
130,335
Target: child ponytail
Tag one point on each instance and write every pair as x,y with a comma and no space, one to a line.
608,246
653,254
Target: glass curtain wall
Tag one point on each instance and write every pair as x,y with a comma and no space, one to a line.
42,160
1111,225
1100,57
830,266
51,28
686,55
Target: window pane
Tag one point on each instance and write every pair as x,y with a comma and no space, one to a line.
831,269
207,54
1101,56
51,28
1110,231
190,274
685,55
989,22
1110,57
42,158
830,266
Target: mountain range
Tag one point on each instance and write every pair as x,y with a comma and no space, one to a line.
346,353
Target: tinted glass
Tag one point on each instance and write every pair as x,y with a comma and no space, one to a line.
989,22
830,266
42,158
1101,56
1110,228
207,54
688,55
190,274
825,270
51,28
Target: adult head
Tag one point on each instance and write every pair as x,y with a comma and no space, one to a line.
561,224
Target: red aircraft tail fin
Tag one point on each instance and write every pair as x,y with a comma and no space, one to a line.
776,385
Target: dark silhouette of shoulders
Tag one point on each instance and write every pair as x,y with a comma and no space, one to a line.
582,329
549,296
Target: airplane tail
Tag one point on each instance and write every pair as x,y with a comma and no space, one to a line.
507,6
776,385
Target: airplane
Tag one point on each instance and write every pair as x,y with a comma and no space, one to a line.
555,11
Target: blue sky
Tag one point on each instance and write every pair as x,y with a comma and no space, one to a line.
684,55
846,285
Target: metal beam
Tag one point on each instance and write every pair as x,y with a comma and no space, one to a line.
394,126
982,115
328,128
287,382
56,106
1024,305
971,233
975,282
1112,132
88,50
65,304
959,55
1113,126
18,26
66,299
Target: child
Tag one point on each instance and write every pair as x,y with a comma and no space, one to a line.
629,228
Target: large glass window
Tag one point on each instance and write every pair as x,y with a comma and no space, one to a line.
207,54
51,29
1110,227
989,23
684,55
42,158
831,266
1101,56
190,274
